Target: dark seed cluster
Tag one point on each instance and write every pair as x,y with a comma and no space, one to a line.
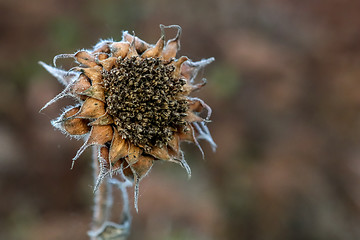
145,100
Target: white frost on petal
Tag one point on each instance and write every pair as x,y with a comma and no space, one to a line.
183,163
63,55
57,123
197,66
81,150
196,141
203,104
204,133
123,35
178,34
136,192
104,171
135,39
63,93
64,77
84,147
102,42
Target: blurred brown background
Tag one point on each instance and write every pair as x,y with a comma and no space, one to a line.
285,95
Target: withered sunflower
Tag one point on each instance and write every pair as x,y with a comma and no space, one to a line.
132,100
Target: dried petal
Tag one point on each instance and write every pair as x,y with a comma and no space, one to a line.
177,66
81,84
103,120
104,153
101,56
85,58
120,49
189,69
140,169
75,126
156,50
72,89
160,153
189,87
72,126
187,134
195,132
64,77
132,51
197,105
100,135
172,46
174,143
94,74
140,45
203,132
102,47
92,108
95,91
119,148
71,112
192,117
142,166
133,154
182,162
122,165
108,63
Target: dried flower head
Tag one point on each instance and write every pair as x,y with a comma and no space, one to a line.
132,100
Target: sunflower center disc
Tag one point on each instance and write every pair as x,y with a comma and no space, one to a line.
145,100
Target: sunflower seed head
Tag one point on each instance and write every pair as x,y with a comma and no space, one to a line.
145,100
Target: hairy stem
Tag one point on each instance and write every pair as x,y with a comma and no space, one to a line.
102,227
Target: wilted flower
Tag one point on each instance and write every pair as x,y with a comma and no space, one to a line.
132,100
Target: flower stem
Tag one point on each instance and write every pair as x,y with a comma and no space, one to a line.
102,227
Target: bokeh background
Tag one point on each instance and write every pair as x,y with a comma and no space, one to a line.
286,117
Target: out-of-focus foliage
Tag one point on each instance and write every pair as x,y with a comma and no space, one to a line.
286,117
